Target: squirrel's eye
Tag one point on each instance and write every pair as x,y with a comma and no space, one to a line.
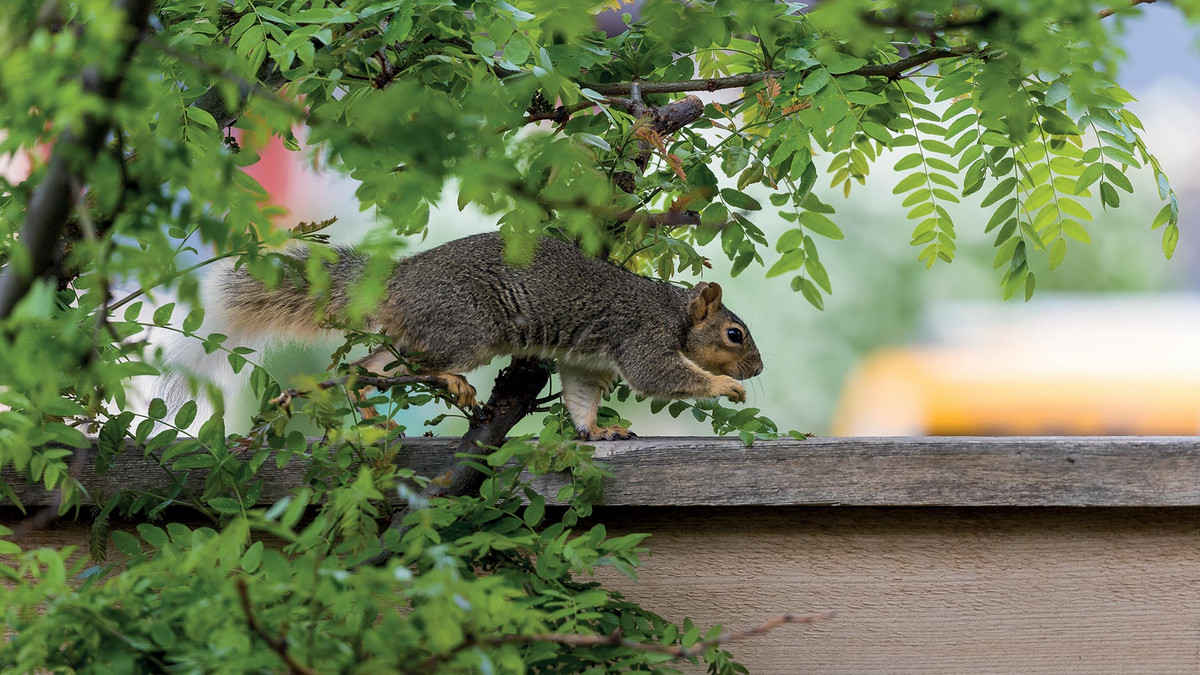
734,335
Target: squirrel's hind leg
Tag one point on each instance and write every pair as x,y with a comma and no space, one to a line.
377,362
582,390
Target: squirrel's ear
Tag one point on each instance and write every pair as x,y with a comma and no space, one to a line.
707,301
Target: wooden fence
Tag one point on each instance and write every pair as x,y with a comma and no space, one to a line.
938,555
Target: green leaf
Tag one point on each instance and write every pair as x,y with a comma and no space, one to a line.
1015,281
740,200
909,182
253,557
1075,231
194,462
158,409
845,64
790,240
1089,176
535,511
810,293
133,311
908,162
1058,251
226,505
126,543
1164,187
194,319
153,535
1003,189
201,117
1001,214
1170,239
816,272
162,315
273,15
1073,208
866,98
821,225
1164,216
186,414
1119,155
934,145
1114,175
1109,196
1057,93
815,81
791,260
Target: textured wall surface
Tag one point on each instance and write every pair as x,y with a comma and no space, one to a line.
947,555
932,590
916,589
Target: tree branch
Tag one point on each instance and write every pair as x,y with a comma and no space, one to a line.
277,644
46,216
514,396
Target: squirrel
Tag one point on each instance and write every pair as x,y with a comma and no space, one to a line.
460,304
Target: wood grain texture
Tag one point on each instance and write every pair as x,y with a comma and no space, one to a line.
938,471
937,591
931,590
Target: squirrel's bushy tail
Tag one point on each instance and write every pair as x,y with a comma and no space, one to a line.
250,315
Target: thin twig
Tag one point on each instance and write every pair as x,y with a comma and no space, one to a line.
277,644
269,77
1104,13
669,219
379,382
890,70
904,23
558,115
617,639
269,93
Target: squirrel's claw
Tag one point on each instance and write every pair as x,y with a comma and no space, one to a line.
368,412
613,433
730,389
461,390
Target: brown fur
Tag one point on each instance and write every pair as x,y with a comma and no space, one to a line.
461,304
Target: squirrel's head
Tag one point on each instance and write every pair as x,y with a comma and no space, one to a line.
717,340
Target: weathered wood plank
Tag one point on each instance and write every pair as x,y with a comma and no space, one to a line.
934,591
939,471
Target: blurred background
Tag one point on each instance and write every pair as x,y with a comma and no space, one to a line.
1110,343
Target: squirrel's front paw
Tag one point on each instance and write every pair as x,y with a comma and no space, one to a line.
460,389
730,389
613,433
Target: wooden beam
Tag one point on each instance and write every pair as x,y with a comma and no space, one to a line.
682,471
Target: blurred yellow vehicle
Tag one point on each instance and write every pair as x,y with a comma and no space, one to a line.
1069,366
